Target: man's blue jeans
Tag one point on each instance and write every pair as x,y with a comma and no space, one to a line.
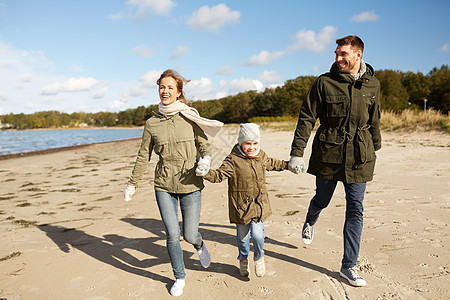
190,211
255,230
354,196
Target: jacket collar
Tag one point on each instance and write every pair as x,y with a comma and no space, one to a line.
334,70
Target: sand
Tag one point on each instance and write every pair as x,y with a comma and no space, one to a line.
67,233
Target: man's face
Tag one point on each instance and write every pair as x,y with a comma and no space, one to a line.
348,59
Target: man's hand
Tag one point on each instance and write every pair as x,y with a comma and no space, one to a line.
297,165
129,192
203,166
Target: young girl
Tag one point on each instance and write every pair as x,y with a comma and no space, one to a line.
176,134
248,202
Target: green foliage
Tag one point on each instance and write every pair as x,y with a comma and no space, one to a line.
399,91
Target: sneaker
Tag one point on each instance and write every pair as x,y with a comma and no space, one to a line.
244,268
177,288
203,255
307,233
352,276
260,267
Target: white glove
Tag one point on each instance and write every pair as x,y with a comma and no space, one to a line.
203,166
129,192
377,152
297,165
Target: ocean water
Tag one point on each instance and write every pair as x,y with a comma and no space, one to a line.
13,142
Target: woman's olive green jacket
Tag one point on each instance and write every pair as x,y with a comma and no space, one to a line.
176,141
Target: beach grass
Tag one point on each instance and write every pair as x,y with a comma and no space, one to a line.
405,121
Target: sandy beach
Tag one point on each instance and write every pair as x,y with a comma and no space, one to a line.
67,233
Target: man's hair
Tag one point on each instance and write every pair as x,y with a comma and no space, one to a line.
351,40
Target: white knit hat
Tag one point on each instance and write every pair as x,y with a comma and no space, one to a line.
249,132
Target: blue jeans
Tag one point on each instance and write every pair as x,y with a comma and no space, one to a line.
354,196
190,211
256,231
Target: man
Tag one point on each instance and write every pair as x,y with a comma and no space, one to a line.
346,101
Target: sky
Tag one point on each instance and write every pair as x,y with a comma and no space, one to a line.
106,55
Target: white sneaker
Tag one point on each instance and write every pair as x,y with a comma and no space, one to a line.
260,267
177,288
203,255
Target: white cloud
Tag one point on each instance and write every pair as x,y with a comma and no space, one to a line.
117,16
3,96
365,16
24,78
149,79
305,39
76,68
199,89
445,48
224,70
144,8
116,105
213,18
309,40
270,77
99,94
22,61
136,92
71,85
262,59
30,105
178,53
244,84
142,51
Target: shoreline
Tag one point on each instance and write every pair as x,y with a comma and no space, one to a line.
59,149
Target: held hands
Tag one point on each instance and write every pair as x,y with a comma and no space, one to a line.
129,192
297,165
203,166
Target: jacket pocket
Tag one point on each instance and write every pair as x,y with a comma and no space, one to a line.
336,106
331,146
365,149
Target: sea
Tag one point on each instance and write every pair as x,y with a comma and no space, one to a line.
22,141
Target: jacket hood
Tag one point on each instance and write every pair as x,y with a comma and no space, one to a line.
334,70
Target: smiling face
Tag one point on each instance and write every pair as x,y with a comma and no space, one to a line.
348,59
168,90
250,148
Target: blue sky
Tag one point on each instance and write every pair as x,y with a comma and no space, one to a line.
105,55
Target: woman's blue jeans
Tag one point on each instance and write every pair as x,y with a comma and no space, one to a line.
190,205
255,230
354,196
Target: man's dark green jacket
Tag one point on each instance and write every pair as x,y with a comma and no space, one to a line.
349,112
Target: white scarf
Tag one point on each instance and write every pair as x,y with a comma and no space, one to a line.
210,127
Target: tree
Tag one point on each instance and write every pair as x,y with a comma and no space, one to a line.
439,96
393,94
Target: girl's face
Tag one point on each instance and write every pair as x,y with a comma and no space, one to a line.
250,148
168,90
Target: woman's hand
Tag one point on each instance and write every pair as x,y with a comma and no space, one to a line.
203,166
129,192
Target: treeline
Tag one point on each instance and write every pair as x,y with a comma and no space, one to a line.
399,91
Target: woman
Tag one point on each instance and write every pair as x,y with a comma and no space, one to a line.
176,134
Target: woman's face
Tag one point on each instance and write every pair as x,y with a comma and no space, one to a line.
168,90
250,148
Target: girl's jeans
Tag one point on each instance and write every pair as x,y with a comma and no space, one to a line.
256,231
190,211
354,196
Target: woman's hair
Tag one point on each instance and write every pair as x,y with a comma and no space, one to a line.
179,80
